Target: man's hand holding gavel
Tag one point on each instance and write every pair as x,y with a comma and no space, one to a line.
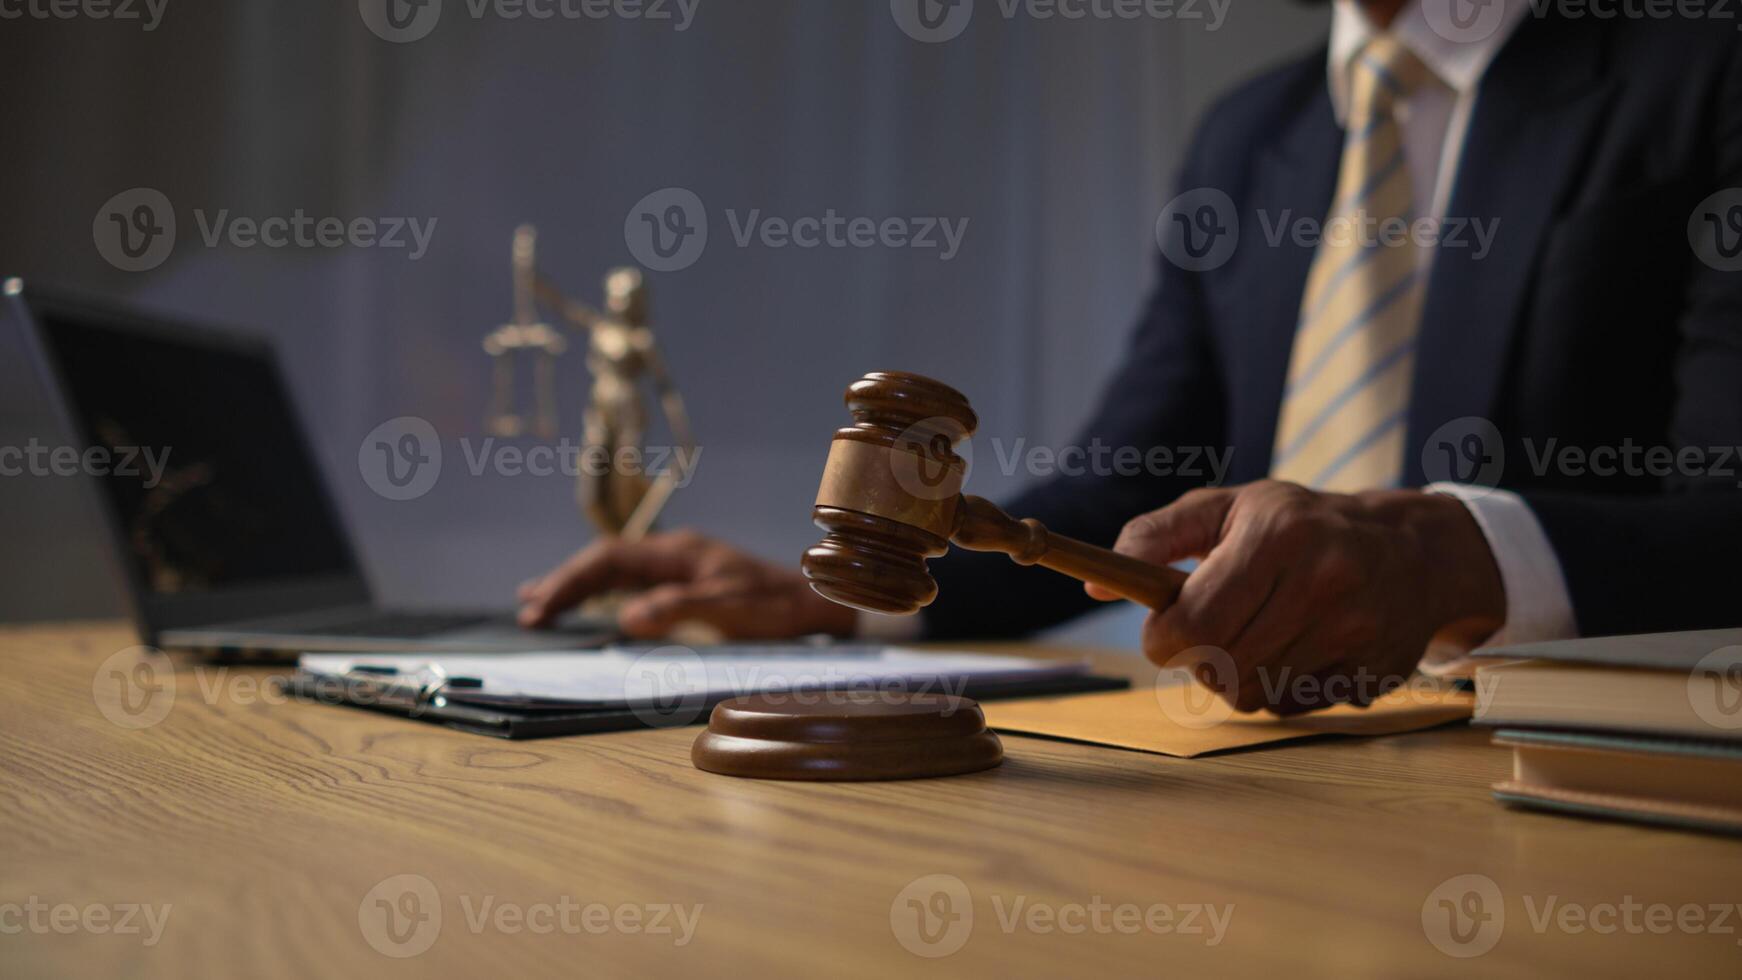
1346,590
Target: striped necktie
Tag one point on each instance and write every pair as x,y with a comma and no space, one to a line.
1342,424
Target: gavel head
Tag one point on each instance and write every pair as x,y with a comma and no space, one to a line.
890,493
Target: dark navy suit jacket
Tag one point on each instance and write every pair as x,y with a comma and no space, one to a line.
1591,323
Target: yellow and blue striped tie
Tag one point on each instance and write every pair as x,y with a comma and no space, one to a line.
1342,424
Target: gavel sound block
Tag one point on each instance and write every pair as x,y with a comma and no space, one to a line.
891,499
846,736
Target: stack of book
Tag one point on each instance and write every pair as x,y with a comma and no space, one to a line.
1645,728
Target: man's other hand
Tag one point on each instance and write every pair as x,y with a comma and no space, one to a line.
683,576
1315,598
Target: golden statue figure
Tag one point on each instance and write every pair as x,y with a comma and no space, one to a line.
613,488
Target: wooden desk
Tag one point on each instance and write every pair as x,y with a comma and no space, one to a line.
265,826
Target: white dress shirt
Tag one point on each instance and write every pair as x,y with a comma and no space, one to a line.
1434,119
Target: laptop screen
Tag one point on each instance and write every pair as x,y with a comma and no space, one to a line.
213,488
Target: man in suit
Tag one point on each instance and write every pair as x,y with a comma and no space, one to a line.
1490,390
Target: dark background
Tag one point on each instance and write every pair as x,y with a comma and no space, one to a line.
1056,139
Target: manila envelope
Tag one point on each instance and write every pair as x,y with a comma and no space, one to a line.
1187,720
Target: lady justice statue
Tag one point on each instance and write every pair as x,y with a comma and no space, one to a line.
614,489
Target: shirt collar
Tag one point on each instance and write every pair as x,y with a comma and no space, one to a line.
1457,64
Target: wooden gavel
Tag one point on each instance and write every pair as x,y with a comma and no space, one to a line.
891,499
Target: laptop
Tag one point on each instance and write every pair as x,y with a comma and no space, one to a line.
233,546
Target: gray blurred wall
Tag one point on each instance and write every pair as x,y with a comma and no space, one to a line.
1056,140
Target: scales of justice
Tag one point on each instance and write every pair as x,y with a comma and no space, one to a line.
624,360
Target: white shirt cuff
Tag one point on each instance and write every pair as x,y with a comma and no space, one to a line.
888,629
1538,603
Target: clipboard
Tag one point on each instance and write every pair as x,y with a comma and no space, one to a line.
431,694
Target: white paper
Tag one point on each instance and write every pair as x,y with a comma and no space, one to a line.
616,677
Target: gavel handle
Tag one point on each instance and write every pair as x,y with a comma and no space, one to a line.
982,526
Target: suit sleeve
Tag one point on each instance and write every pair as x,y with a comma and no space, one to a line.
1165,393
1670,561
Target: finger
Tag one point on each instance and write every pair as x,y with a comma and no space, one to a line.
1328,666
1187,528
610,564
737,609
1235,581
524,590
1344,681
1258,651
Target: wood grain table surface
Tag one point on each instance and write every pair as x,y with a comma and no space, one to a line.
195,824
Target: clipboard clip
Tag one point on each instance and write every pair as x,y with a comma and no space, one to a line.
413,690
